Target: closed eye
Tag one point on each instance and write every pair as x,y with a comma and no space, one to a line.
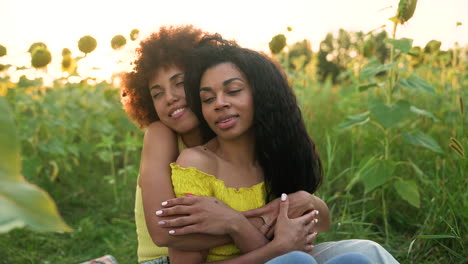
156,95
234,91
208,100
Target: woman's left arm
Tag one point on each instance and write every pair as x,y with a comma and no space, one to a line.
301,202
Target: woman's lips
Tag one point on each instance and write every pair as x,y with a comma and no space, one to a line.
227,122
178,113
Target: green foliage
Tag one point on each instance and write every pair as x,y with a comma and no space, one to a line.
40,57
353,120
118,41
404,45
22,204
418,138
61,133
134,34
300,51
87,44
36,45
377,174
416,83
373,68
277,43
3,51
408,191
389,115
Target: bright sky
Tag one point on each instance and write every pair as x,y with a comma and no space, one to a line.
60,23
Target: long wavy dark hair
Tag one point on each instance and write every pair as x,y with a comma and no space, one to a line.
283,147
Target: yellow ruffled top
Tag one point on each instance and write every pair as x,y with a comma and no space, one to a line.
191,180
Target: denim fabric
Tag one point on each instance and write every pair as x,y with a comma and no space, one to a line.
349,258
375,252
295,257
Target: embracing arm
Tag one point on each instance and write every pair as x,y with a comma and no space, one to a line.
208,215
159,150
301,202
292,234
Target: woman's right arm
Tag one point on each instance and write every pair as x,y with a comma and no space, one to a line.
291,235
159,150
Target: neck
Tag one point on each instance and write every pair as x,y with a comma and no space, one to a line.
192,138
239,151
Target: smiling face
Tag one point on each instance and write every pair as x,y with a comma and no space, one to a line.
167,91
227,101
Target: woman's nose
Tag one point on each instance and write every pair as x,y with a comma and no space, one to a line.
171,97
221,102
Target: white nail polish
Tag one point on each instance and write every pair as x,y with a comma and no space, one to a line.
171,232
164,203
159,212
316,220
316,212
283,197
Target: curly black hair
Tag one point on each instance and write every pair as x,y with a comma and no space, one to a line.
165,48
283,147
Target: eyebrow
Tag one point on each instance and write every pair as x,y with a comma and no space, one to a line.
226,82
157,86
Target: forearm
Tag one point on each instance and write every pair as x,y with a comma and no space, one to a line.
247,236
247,239
187,257
196,242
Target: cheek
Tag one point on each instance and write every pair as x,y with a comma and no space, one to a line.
159,109
205,113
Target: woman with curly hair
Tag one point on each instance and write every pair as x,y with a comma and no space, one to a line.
153,96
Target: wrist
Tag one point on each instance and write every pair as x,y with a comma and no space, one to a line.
235,224
278,247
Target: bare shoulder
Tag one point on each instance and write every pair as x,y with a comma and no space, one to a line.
198,157
159,130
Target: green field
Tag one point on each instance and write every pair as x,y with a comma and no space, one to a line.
391,134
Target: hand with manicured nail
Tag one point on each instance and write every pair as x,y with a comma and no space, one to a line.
300,203
294,234
198,214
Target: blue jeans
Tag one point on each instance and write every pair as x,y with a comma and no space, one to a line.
297,257
375,252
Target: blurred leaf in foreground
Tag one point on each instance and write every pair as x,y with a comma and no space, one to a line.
22,204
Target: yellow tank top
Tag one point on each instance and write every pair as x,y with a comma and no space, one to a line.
191,180
147,250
